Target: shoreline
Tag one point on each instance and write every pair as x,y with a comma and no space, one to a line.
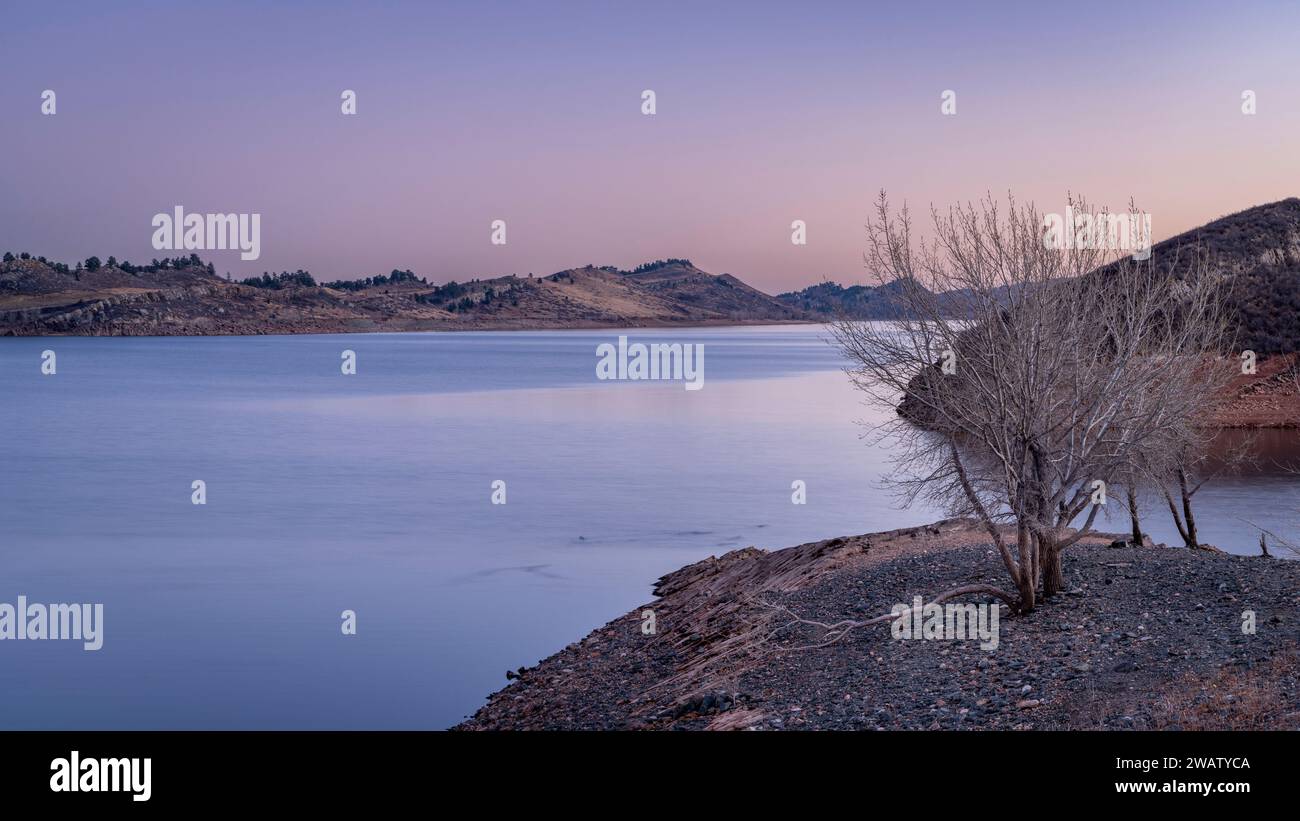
484,328
1144,638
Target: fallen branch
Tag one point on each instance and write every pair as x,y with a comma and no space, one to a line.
1266,532
840,629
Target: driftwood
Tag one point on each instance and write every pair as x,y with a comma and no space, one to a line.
719,616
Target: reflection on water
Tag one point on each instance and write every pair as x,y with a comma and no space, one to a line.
1270,452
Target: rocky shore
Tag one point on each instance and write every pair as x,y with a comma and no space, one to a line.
1268,398
1144,638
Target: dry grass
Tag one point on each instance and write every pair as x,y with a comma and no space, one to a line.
1263,698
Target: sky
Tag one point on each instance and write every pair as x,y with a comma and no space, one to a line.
531,113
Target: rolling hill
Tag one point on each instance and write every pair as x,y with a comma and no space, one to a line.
184,297
1258,249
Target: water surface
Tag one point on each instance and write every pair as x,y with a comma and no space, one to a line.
372,493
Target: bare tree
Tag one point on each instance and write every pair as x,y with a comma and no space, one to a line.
1131,504
1289,542
1030,376
1190,466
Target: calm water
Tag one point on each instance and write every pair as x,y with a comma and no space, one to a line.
372,493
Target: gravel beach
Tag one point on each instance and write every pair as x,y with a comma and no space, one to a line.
1144,638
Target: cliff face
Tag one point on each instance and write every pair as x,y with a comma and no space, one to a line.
38,298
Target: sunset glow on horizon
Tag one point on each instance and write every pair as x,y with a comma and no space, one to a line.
766,113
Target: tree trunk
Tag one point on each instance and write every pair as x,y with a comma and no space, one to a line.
1190,535
1049,553
1178,520
1025,582
1133,517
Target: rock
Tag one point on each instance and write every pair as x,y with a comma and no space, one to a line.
1027,704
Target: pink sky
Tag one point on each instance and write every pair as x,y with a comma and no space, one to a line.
473,112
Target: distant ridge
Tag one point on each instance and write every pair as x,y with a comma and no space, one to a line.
830,299
185,297
1258,249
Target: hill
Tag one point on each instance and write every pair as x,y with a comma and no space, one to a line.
185,297
1257,254
832,300
1258,249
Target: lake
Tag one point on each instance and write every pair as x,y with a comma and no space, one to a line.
373,493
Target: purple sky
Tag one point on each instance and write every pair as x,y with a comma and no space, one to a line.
530,112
